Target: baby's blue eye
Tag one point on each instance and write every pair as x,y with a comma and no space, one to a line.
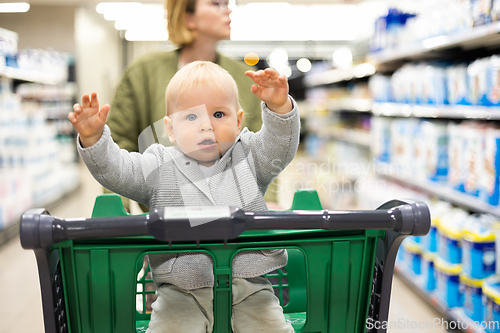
218,114
192,117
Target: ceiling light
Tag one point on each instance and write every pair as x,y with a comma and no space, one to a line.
18,7
304,65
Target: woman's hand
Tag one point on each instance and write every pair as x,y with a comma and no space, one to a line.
272,89
88,120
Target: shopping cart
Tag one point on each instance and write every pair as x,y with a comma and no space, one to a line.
338,278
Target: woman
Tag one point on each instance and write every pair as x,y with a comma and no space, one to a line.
196,26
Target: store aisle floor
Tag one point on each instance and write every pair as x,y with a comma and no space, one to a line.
20,301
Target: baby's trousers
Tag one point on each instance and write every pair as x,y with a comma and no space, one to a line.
255,309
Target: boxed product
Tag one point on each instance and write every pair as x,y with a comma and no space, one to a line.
478,246
456,156
419,152
437,209
495,10
473,297
412,256
449,233
402,143
477,73
456,84
433,85
447,287
489,183
381,139
428,272
436,150
480,12
494,81
473,156
491,304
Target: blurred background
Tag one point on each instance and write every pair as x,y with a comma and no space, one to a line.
397,99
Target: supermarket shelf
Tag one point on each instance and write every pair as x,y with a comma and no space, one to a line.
441,191
339,75
350,104
31,76
356,137
13,229
433,111
464,323
482,36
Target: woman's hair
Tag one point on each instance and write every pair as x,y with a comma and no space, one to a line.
200,74
175,14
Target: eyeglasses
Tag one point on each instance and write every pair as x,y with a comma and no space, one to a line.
223,5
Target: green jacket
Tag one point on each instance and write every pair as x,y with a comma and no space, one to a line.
139,99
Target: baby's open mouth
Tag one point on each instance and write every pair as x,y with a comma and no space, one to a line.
207,143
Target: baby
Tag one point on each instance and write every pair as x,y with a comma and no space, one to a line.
214,163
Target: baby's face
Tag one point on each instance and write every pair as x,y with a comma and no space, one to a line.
205,123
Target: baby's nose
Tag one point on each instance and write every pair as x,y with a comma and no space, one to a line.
206,126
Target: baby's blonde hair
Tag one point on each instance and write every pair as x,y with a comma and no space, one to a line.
200,74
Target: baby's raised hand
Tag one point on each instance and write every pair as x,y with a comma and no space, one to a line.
88,120
272,89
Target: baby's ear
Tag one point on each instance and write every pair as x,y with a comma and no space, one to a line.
239,117
170,128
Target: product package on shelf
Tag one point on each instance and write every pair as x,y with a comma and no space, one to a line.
438,210
381,139
8,47
477,73
478,246
457,85
493,81
491,299
428,274
456,156
436,148
449,232
473,297
473,152
448,286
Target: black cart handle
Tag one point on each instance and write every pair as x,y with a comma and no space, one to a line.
39,229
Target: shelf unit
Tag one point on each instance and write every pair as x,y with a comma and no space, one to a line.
467,45
487,36
31,76
355,137
436,111
365,105
27,76
456,315
440,191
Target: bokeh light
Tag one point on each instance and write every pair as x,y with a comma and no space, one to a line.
251,59
304,65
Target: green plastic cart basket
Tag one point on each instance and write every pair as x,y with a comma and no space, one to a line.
338,277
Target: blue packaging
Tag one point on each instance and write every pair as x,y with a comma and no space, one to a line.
489,187
436,148
437,209
412,256
491,304
473,297
478,246
448,286
428,272
449,233
381,143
